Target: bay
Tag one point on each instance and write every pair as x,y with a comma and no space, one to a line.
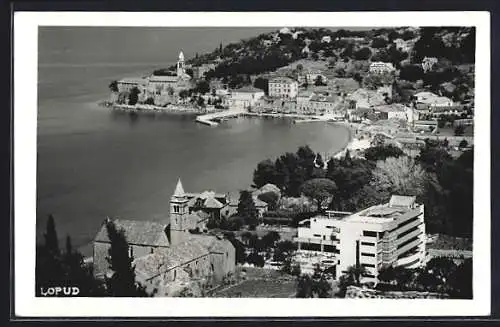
92,163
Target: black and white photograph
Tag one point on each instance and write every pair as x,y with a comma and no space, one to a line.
290,160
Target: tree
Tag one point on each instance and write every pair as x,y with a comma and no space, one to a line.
51,241
461,281
149,101
411,73
54,268
304,286
133,96
363,54
262,83
352,276
247,209
319,81
318,189
270,239
400,175
382,152
284,250
113,86
271,198
379,42
264,173
320,286
122,283
459,130
184,94
463,144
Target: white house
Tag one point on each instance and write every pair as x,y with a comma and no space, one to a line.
326,39
389,234
397,111
379,67
245,97
432,100
283,87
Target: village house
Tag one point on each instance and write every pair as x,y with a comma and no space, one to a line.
379,67
431,100
363,98
326,39
283,87
425,126
428,63
396,111
402,45
389,234
245,97
168,254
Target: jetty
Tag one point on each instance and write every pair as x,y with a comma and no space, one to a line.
208,119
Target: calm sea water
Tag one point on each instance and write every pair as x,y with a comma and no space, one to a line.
92,163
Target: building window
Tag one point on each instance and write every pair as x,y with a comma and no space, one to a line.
130,252
368,265
368,243
369,233
176,209
364,254
316,235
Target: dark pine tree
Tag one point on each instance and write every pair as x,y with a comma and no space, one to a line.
122,283
247,209
51,241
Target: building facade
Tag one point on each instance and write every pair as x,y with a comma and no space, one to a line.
168,256
245,97
390,234
283,87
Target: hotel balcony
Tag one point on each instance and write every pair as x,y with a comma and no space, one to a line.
316,240
411,261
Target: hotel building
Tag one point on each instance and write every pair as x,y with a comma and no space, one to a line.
390,234
283,87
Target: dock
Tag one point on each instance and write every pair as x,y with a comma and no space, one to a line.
208,119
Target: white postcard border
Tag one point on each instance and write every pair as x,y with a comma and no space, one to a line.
25,133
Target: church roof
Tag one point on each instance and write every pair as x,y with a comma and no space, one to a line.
147,233
179,190
165,259
212,203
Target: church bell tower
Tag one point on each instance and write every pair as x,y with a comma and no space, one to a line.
181,71
178,213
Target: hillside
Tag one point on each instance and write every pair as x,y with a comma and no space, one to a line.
267,52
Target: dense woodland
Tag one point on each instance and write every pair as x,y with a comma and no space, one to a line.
432,177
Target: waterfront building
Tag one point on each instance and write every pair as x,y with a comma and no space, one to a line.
283,87
396,111
168,255
245,97
390,234
170,81
127,84
379,67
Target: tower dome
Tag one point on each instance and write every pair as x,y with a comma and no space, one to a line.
181,56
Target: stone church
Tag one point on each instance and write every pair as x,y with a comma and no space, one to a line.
168,257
